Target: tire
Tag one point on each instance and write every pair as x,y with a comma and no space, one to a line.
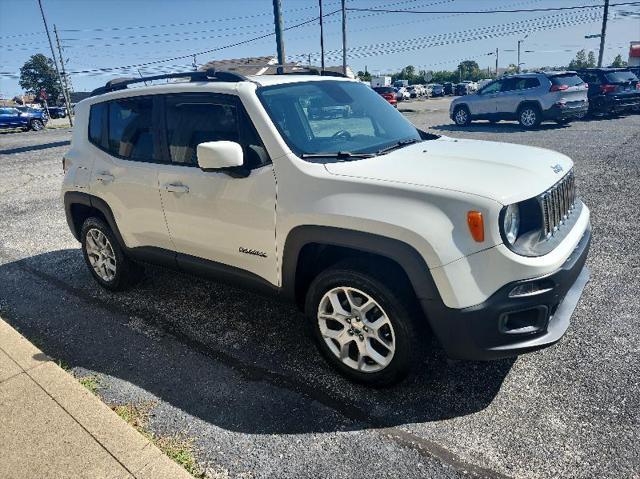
117,272
529,117
394,341
36,125
461,116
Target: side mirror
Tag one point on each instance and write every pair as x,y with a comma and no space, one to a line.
217,155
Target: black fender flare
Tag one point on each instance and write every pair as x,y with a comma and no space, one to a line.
72,198
398,251
527,102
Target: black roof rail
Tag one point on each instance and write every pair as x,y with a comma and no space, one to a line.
209,75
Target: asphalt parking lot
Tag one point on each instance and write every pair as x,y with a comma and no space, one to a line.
235,372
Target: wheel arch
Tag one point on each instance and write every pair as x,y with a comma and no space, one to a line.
524,103
310,249
79,206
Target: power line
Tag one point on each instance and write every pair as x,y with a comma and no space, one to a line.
137,65
464,12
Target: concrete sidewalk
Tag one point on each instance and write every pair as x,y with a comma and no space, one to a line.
52,427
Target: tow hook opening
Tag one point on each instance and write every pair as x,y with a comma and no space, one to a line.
526,321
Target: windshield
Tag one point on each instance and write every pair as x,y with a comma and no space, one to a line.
331,117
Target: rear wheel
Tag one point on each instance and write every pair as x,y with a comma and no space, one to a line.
362,327
462,116
529,117
105,258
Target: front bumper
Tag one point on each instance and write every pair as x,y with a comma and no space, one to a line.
505,326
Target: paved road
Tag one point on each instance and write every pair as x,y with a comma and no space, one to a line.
235,371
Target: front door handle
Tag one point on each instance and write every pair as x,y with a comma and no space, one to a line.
173,188
104,177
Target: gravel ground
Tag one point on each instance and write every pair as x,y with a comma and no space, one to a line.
234,370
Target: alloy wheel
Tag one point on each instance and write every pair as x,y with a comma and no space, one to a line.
101,255
461,116
528,117
356,329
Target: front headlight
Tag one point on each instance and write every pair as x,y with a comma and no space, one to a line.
511,223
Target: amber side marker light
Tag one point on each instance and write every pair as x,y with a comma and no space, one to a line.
476,225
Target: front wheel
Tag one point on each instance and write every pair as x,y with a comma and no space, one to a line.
362,327
462,116
529,117
36,125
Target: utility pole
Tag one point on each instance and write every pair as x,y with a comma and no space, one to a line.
65,86
344,38
496,63
321,39
53,53
277,17
518,66
603,32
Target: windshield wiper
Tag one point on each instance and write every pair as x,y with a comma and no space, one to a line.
341,155
400,144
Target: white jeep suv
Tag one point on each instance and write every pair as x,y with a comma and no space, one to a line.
380,232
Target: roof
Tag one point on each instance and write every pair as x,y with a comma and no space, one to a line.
266,80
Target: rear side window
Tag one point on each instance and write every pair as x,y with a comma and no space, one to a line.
569,80
620,77
191,121
98,124
130,129
531,83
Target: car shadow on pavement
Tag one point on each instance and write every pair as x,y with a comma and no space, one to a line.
236,360
44,146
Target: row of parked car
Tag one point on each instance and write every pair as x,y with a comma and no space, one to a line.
29,118
560,96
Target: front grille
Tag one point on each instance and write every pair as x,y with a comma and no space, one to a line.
557,203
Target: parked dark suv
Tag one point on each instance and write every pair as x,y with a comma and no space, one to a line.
611,90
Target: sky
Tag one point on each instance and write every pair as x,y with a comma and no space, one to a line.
98,34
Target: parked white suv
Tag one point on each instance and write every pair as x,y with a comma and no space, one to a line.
379,231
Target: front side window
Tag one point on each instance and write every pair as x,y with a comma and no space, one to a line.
333,117
493,87
194,120
130,129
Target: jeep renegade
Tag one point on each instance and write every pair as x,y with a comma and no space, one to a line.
314,188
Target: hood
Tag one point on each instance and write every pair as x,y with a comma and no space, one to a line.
503,172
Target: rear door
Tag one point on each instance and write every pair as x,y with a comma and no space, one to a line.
125,168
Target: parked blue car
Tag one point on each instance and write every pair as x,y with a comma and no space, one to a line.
27,119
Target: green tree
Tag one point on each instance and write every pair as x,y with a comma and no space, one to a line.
618,62
583,60
591,60
364,76
39,73
469,70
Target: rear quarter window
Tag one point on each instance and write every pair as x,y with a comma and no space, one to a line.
97,125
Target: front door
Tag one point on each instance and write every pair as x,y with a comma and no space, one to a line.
218,216
486,99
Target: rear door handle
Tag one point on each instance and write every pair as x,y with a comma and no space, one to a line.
104,177
173,188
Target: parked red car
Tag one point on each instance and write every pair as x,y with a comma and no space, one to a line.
388,93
